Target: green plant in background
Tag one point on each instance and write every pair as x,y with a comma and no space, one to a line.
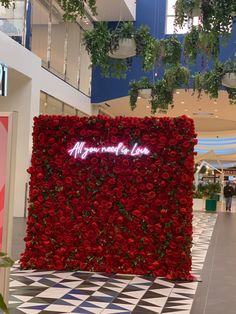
212,80
209,190
5,261
162,96
135,86
102,41
198,194
177,76
191,45
75,8
171,50
216,16
147,47
123,30
184,11
97,42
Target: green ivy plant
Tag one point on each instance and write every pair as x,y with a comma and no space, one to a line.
5,261
216,16
76,8
147,47
72,8
162,91
100,41
199,41
7,3
171,50
184,11
211,81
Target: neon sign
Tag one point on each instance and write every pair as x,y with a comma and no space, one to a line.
80,150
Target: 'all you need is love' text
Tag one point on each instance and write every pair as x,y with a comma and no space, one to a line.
80,150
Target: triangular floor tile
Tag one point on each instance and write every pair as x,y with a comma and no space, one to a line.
128,300
23,298
125,306
155,309
156,301
135,294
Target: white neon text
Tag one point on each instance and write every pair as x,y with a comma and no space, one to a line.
80,150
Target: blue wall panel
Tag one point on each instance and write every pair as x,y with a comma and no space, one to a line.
151,13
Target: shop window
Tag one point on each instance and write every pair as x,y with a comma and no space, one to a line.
85,71
68,110
58,35
73,54
40,20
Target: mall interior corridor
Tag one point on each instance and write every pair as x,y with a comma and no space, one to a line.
214,264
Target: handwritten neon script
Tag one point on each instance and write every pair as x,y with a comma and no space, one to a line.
80,150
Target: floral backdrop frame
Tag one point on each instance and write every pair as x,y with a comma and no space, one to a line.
111,211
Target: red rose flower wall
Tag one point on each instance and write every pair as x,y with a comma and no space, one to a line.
111,211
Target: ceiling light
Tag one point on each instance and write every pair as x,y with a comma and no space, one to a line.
185,109
177,92
216,116
147,107
182,102
139,97
215,102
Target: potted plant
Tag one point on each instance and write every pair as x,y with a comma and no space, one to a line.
198,201
199,41
122,43
5,261
147,47
160,92
185,10
214,16
170,50
210,192
110,48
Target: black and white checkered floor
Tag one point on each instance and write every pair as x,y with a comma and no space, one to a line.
36,292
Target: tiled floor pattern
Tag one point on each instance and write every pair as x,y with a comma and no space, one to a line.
36,292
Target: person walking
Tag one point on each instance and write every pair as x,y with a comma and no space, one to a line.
228,193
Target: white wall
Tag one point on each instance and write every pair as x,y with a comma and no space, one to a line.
26,79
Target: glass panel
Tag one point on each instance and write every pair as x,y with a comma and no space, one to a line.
69,111
40,19
73,52
52,106
43,103
170,26
170,7
12,20
85,72
57,44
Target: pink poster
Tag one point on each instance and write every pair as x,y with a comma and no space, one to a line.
3,165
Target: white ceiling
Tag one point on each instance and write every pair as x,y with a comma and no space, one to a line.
209,115
118,10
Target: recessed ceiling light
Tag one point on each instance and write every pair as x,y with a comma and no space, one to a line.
216,116
215,102
182,102
185,109
147,107
177,92
139,97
